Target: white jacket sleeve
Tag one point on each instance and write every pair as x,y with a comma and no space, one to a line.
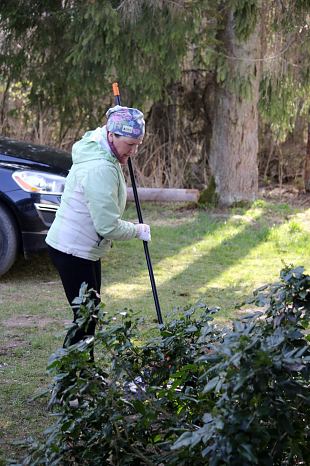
101,190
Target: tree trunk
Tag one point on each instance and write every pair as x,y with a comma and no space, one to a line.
307,163
234,143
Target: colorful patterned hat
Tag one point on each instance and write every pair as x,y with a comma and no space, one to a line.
125,121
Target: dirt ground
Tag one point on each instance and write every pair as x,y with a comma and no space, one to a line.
23,321
287,194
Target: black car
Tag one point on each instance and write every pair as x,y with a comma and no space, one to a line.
31,183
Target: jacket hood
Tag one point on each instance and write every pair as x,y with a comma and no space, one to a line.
93,146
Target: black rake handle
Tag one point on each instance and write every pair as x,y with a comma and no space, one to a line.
138,208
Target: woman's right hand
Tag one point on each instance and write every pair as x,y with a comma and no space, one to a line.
143,231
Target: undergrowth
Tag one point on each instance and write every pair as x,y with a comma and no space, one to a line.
196,394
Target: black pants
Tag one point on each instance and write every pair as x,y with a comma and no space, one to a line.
73,272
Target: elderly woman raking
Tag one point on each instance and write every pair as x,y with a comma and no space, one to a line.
93,202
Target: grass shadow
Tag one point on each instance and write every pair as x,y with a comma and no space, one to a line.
200,267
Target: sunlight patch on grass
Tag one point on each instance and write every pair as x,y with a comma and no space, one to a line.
285,244
173,266
119,291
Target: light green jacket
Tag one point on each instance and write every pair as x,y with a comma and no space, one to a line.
93,202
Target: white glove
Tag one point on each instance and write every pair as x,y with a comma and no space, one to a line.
143,231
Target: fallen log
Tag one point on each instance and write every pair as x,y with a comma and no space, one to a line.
164,194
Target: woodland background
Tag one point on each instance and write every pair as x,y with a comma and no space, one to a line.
224,85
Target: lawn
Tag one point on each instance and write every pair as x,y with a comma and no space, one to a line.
215,256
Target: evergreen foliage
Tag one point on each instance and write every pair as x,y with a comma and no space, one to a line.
285,83
71,51
196,394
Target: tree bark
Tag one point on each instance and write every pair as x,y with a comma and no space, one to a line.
307,163
234,142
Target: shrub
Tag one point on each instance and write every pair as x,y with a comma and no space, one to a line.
196,394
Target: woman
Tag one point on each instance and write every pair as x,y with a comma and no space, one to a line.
93,202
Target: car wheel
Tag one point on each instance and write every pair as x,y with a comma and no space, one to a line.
8,240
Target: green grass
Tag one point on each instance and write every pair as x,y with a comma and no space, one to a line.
218,257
